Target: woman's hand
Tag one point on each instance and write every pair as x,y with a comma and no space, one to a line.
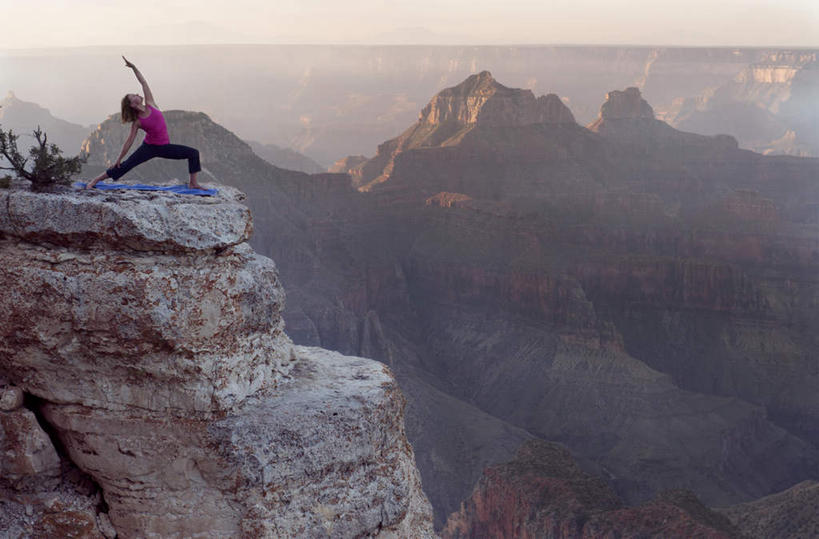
128,64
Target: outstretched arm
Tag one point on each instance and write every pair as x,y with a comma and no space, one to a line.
149,97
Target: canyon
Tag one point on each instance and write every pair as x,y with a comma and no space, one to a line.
643,296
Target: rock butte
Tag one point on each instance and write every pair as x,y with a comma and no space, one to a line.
149,339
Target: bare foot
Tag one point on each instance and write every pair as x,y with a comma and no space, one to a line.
90,185
194,186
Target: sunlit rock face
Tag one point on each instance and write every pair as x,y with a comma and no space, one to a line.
151,335
478,103
482,99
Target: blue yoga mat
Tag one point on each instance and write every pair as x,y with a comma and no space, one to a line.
178,189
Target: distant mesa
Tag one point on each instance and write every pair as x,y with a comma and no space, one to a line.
620,105
628,104
626,116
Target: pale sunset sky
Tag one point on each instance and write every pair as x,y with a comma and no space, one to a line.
73,23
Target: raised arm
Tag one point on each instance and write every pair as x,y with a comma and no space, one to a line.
149,97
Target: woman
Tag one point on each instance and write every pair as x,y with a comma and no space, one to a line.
156,144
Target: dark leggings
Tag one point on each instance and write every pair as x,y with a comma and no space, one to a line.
149,151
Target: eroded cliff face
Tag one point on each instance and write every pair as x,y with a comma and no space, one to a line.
767,106
481,99
479,102
544,493
644,296
641,294
149,336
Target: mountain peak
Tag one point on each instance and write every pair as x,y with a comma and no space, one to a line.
624,110
480,99
478,80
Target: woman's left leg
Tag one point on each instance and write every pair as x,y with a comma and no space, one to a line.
178,151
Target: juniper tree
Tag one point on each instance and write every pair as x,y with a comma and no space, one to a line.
48,166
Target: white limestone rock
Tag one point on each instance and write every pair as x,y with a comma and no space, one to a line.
323,455
141,221
159,355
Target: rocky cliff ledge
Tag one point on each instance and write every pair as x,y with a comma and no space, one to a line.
145,336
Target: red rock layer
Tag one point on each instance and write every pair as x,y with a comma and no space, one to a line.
543,494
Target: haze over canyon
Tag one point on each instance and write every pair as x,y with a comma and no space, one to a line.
593,273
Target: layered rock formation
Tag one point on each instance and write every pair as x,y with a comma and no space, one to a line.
150,337
517,258
479,102
543,493
642,295
766,106
42,494
481,99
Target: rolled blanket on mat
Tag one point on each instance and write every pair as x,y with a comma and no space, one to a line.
178,189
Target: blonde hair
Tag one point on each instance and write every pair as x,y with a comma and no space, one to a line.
128,112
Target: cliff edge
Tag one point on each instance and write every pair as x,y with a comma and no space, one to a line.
143,348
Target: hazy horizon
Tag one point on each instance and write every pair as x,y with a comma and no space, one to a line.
328,102
125,46
695,23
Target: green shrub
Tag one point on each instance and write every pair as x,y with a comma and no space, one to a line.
48,168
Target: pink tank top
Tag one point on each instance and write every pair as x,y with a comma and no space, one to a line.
156,132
